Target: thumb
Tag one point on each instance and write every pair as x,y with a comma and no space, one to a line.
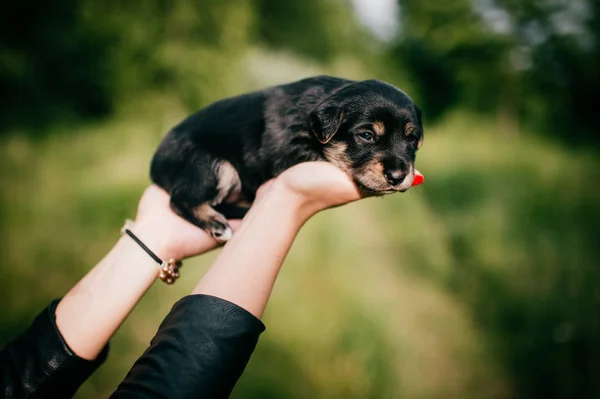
419,178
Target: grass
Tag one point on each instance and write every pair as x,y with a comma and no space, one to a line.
481,283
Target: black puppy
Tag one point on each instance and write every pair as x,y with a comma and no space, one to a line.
214,161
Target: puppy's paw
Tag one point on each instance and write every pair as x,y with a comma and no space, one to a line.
213,222
220,230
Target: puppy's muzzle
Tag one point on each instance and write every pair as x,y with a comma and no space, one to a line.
394,177
400,179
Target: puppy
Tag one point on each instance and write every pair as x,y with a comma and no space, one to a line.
213,162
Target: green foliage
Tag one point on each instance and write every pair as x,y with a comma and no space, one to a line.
51,63
445,47
533,61
481,283
311,28
79,58
528,275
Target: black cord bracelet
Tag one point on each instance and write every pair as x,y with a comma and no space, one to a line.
169,271
144,247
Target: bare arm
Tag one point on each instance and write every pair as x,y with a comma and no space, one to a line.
90,313
245,271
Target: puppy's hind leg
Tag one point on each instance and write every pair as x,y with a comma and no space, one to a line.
195,199
202,215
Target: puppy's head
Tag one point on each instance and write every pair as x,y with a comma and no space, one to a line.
371,130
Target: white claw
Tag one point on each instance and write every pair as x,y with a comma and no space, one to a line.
225,236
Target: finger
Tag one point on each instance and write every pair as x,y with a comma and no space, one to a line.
264,187
419,178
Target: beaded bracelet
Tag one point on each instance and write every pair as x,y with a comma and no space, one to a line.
168,271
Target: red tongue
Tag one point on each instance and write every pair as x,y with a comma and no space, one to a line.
419,178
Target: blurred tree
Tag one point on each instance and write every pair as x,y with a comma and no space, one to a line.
51,63
190,48
445,47
561,75
538,60
79,58
319,29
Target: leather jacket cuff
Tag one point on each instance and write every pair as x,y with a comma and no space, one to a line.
101,358
39,363
200,350
65,370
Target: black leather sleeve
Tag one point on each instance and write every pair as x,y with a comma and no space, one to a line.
39,364
199,351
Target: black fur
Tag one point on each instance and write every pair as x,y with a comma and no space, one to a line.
265,132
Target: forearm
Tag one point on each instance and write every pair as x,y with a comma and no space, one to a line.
93,309
245,271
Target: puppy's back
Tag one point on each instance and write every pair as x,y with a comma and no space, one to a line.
218,129
234,128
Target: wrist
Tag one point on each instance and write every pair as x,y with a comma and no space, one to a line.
295,204
155,238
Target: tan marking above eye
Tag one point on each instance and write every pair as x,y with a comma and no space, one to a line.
378,128
409,129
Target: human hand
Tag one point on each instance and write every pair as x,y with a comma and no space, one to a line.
315,186
166,233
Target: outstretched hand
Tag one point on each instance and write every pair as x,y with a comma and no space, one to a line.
168,234
317,186
314,186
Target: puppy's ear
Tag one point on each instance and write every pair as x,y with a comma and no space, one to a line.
420,124
325,120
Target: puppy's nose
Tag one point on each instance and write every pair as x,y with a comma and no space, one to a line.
394,177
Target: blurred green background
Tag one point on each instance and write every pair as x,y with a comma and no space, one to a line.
484,282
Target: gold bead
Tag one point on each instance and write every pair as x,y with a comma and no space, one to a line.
169,271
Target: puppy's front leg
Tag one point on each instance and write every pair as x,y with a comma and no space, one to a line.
233,211
200,184
203,216
211,220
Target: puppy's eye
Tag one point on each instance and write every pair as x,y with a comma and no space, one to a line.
367,137
412,138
